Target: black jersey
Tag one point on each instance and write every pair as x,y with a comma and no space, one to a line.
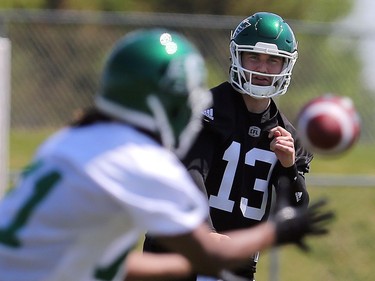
233,156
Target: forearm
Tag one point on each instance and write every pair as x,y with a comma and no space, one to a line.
241,246
154,267
209,255
246,242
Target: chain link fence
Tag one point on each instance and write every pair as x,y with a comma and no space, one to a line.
57,58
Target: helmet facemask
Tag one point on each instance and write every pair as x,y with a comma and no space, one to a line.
241,77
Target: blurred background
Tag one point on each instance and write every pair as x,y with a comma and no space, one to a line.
57,53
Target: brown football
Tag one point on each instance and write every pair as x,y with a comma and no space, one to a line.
329,124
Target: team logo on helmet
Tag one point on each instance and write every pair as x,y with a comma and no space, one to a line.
243,25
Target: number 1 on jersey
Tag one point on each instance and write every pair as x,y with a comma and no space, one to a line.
8,235
221,201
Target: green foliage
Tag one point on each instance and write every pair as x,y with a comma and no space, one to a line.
315,10
21,4
104,5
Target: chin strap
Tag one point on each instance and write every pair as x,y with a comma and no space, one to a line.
259,91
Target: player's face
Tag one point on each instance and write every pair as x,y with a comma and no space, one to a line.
263,63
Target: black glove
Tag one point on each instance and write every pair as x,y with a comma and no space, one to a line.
246,270
226,275
293,224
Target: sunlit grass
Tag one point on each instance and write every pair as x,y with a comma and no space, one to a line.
359,160
346,254
22,145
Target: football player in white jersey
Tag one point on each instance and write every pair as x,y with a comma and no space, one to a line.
95,186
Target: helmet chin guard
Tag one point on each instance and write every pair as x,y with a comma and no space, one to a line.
258,91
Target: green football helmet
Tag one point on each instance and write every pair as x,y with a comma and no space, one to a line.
265,33
156,80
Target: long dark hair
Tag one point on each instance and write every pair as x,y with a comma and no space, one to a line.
91,115
88,116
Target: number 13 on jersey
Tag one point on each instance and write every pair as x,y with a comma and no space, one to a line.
232,154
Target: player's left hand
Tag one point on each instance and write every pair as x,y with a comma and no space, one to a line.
294,224
283,146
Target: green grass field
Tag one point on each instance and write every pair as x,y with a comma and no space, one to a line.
346,254
359,160
22,144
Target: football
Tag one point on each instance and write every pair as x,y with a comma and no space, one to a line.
329,125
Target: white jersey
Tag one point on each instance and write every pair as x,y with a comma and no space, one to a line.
85,200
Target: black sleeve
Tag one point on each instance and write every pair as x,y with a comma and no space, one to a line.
297,192
198,179
300,196
297,174
200,155
198,161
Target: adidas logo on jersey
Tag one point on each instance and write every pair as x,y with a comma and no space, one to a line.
298,196
209,113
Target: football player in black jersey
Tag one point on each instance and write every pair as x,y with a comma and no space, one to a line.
247,143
